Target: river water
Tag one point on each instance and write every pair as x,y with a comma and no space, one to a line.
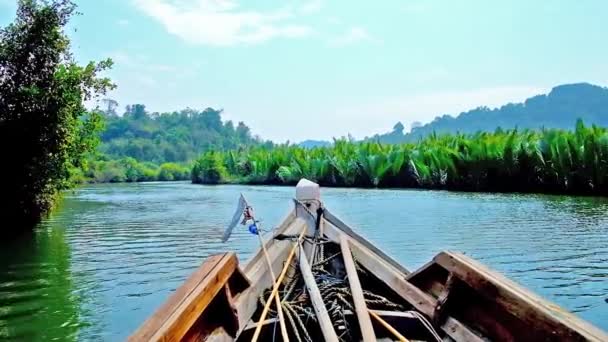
111,254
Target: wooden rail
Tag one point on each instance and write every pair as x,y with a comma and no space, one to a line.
174,319
521,303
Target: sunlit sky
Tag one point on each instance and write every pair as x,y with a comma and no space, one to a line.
314,69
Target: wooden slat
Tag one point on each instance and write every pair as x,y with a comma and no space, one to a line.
317,302
420,270
442,300
396,281
182,309
518,301
365,323
392,278
458,332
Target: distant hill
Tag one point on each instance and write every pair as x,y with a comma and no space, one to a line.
558,109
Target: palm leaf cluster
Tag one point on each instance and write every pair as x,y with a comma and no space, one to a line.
547,160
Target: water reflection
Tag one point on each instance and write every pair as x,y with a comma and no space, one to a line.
113,253
37,297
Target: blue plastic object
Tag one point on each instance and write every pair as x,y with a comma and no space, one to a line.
253,229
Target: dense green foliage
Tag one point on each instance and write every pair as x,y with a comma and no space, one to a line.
170,137
104,170
45,130
138,146
550,160
558,109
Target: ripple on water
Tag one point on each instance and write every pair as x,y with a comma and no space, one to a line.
113,253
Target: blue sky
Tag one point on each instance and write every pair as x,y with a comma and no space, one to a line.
294,70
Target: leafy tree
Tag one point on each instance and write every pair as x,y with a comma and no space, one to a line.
45,130
110,106
209,169
176,137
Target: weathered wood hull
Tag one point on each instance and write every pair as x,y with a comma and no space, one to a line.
457,297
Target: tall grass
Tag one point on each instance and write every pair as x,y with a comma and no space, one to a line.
554,161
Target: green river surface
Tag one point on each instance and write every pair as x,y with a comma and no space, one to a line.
111,254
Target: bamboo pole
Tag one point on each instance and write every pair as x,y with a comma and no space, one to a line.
317,302
365,323
275,289
277,298
388,327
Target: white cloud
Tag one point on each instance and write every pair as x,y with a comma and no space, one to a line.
353,35
222,22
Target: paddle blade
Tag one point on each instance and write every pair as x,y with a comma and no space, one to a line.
240,208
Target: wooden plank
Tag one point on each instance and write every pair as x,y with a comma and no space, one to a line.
391,277
420,270
388,327
396,281
317,302
458,332
385,313
528,307
338,223
442,300
388,314
365,323
275,289
172,320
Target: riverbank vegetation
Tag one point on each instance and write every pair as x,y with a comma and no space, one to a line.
45,130
108,170
139,146
551,160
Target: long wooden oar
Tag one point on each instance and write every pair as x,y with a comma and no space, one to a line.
388,327
277,297
275,289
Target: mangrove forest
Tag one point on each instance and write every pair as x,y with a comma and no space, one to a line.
548,161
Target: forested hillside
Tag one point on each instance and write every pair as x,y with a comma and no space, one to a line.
558,109
140,146
170,137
